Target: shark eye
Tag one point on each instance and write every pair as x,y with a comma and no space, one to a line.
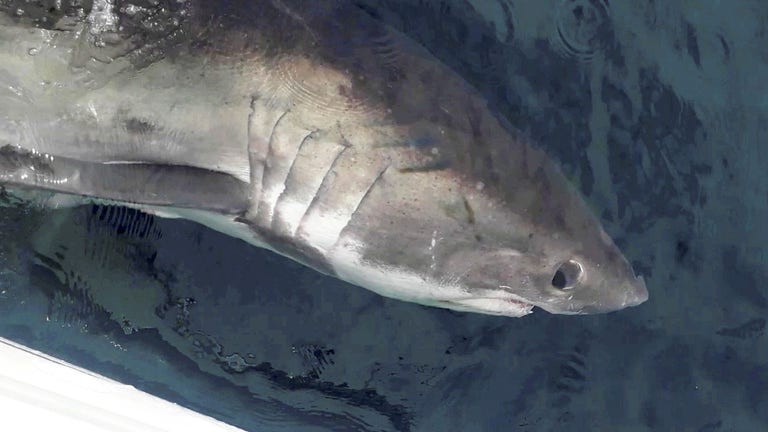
567,275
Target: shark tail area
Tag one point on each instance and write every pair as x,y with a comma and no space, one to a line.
135,183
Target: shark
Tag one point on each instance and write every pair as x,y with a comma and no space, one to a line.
313,130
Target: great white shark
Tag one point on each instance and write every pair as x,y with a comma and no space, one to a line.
308,128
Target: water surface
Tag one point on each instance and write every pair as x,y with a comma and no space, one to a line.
657,111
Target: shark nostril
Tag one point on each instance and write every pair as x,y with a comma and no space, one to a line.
567,275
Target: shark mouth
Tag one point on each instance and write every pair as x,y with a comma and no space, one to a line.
494,306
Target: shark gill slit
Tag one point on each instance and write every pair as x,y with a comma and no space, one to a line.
269,140
256,169
347,197
258,146
376,180
305,178
325,185
285,144
276,219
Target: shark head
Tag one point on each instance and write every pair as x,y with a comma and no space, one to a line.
575,270
501,239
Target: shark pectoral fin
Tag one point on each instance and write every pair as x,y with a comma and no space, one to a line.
136,183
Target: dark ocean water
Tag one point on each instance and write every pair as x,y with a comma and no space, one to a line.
658,111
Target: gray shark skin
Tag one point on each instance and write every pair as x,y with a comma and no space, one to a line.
314,131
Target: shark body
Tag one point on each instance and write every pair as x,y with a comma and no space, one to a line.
318,133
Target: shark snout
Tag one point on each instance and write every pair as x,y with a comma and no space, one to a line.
637,292
632,293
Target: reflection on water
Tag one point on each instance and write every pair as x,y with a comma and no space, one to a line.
656,111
